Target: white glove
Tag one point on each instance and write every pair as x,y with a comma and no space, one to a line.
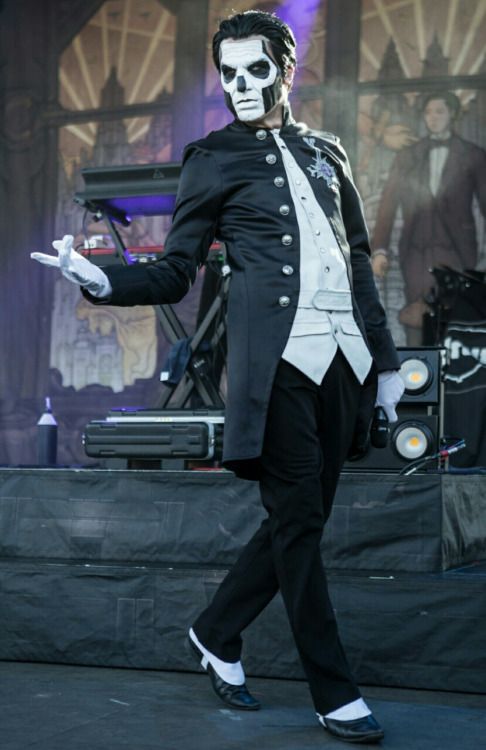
76,268
390,391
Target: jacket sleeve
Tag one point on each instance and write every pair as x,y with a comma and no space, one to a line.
199,198
365,292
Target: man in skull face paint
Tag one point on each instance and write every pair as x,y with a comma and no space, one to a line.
251,81
309,352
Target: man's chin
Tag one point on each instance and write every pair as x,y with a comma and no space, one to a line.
249,115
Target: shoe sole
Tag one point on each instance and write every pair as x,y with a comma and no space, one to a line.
200,659
368,739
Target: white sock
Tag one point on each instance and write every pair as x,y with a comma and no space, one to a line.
355,710
231,672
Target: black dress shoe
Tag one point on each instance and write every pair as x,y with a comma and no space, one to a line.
236,696
366,729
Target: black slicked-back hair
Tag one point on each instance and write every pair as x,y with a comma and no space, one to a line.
451,101
242,25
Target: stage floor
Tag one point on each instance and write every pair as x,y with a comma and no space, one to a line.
54,707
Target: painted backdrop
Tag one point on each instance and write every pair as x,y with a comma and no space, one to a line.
96,83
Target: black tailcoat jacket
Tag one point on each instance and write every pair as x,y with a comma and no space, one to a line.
228,190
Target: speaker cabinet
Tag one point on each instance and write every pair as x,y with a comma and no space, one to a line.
417,432
421,373
415,435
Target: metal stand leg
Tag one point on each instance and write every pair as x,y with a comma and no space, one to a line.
195,380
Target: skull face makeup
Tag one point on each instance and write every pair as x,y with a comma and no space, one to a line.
251,80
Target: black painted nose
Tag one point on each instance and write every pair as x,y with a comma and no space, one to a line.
241,83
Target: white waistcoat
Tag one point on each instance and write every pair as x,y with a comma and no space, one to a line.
324,319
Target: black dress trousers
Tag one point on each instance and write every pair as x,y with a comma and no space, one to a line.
308,434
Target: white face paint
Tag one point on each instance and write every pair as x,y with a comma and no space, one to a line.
249,78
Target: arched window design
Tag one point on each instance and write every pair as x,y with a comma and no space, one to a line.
115,87
115,82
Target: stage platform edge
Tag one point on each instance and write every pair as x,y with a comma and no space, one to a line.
421,523
110,568
422,631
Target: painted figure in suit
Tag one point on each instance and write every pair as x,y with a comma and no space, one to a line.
309,352
434,182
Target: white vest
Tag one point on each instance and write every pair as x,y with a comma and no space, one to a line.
324,319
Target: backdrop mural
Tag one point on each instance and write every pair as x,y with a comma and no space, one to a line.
130,82
423,206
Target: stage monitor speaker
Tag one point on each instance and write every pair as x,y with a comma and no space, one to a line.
417,432
411,438
421,373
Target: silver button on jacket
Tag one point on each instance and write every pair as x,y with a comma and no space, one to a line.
284,209
261,135
287,270
284,301
287,239
270,158
279,181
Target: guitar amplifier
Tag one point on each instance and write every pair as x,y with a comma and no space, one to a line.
152,434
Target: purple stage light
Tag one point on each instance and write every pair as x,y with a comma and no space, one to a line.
300,15
143,205
132,190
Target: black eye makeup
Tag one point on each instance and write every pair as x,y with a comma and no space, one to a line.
260,69
228,73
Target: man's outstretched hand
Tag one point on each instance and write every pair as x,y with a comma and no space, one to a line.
75,268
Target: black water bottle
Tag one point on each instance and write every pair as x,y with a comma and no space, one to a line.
47,437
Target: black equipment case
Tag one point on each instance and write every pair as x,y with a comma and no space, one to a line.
151,433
